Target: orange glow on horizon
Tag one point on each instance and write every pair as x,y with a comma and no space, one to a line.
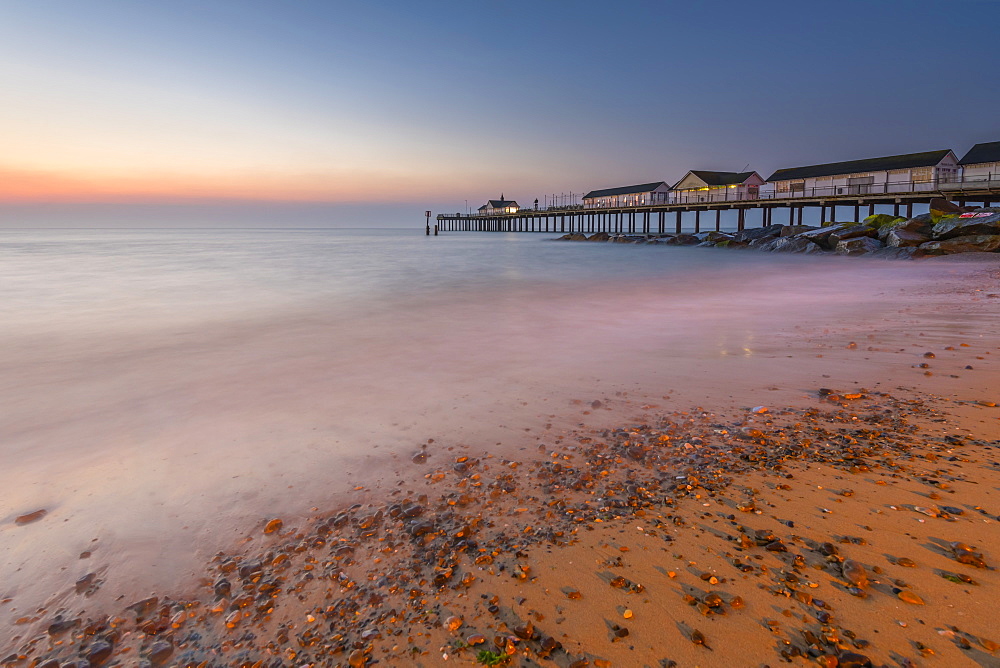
28,186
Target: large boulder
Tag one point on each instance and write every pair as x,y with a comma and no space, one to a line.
880,220
684,240
851,232
921,224
794,245
900,236
574,236
970,223
860,245
982,243
599,236
897,253
942,208
756,233
822,235
792,230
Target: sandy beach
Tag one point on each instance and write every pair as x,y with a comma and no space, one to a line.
838,509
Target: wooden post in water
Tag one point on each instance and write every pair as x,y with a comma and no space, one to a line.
909,209
697,221
791,214
833,212
678,221
871,209
718,219
428,229
799,217
857,212
662,222
895,209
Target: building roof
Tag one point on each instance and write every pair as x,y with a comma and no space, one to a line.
625,190
499,204
907,161
986,152
720,178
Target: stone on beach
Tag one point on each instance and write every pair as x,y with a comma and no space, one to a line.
977,243
28,518
860,245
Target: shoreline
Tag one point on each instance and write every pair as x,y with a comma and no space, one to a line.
586,633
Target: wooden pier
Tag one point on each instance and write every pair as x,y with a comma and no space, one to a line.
666,218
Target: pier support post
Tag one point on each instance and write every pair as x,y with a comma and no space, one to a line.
895,209
718,219
697,221
909,210
798,218
871,209
822,213
833,213
791,214
857,212
662,223
678,221
741,219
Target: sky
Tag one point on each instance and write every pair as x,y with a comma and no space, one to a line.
336,113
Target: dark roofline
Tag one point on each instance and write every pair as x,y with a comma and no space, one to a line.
719,178
906,161
626,190
985,152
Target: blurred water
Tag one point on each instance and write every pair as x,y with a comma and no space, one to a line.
161,391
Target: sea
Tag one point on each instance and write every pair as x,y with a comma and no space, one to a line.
163,393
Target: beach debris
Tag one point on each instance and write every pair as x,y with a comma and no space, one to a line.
28,518
273,526
453,623
906,562
698,638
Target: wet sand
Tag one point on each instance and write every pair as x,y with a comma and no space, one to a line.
841,507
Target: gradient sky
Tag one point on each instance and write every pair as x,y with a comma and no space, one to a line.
340,113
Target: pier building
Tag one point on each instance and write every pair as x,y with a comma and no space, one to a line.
497,207
894,173
704,186
982,163
644,194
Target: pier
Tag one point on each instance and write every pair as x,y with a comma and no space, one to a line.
766,209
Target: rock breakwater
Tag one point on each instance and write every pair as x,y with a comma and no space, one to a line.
947,229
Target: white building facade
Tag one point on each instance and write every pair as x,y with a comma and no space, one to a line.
704,186
981,164
496,207
912,172
644,194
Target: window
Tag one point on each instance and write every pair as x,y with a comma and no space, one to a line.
922,175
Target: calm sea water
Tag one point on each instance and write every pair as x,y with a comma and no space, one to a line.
163,391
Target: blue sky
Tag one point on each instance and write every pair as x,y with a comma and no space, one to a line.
353,112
